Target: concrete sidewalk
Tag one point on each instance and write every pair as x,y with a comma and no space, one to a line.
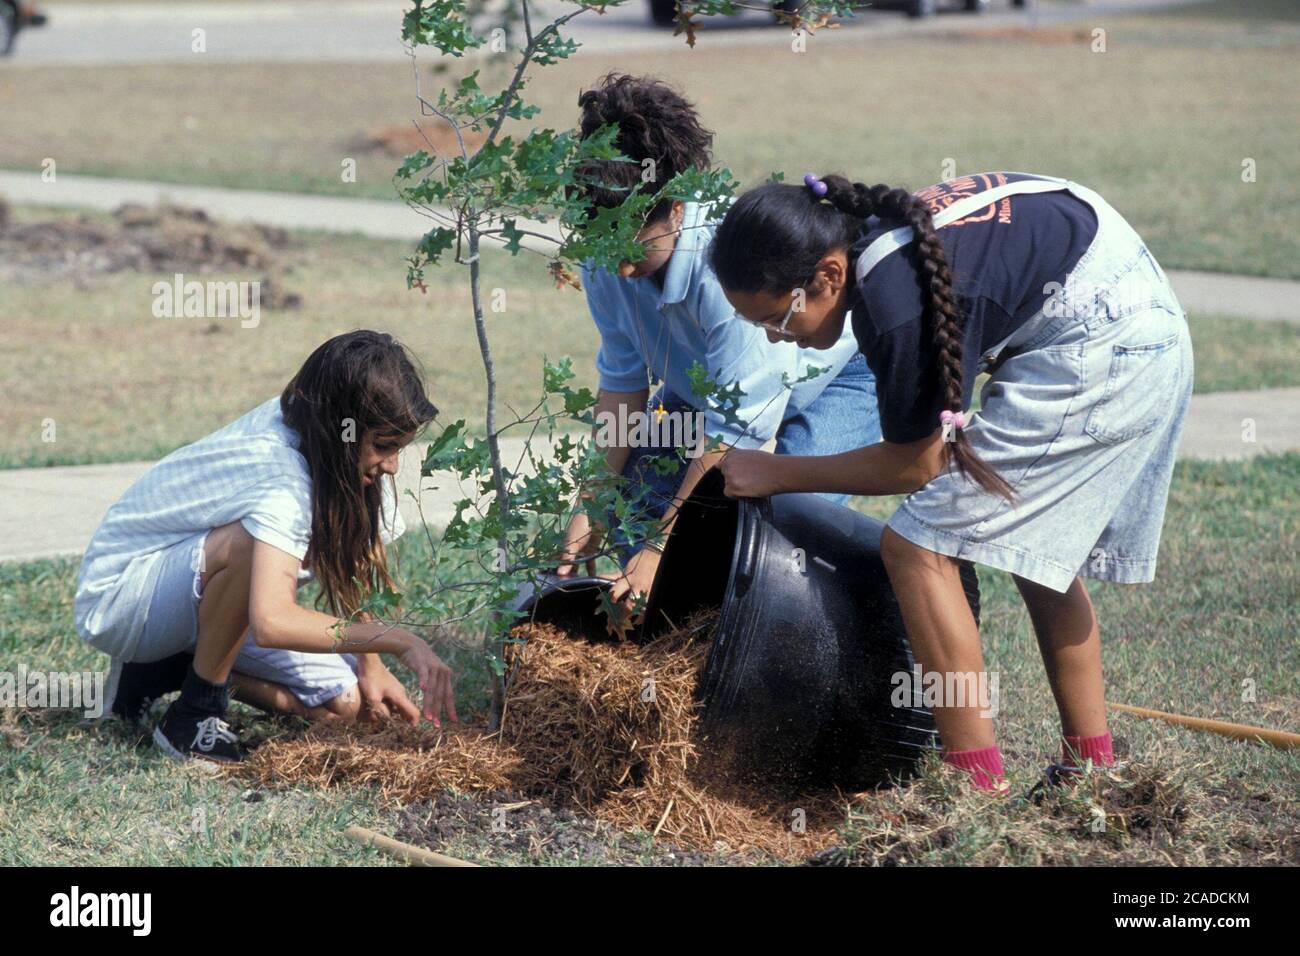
1205,293
376,218
51,512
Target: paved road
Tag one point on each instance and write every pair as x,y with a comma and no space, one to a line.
1205,293
90,34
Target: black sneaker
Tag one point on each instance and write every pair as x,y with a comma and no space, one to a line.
133,687
1058,775
188,736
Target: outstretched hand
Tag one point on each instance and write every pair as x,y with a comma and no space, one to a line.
633,581
383,696
435,681
581,542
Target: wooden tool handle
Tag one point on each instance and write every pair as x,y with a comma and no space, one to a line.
411,855
1277,738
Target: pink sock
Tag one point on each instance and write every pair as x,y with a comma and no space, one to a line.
1076,751
984,766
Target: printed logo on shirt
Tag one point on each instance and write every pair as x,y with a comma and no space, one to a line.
942,195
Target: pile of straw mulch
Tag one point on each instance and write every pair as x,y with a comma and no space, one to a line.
606,728
589,719
404,763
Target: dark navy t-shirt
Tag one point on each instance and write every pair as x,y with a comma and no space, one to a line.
1003,258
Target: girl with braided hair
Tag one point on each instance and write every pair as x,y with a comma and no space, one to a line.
1062,474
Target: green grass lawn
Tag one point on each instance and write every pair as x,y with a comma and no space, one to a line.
1219,619
123,385
1236,355
1160,123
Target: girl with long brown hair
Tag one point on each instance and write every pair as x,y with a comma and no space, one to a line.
1064,471
190,581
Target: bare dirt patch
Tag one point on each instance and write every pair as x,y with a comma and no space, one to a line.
397,140
154,240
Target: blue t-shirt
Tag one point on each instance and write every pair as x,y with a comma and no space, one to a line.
1003,259
662,330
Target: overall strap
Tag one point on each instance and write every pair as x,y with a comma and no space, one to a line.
895,239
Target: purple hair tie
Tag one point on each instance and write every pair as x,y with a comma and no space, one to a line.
816,185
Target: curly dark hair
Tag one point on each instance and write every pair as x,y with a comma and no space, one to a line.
655,122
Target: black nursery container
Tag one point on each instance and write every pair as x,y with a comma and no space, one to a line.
798,684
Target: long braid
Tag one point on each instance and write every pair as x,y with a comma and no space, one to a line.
943,313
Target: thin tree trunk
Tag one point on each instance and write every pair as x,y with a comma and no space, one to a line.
494,448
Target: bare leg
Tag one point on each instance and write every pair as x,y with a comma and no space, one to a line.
276,698
223,625
1070,642
942,632
191,728
223,608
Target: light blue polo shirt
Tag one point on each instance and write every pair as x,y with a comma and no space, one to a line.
645,330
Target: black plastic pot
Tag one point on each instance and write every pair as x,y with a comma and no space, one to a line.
799,681
798,684
568,603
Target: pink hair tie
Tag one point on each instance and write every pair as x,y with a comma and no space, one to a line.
813,182
957,419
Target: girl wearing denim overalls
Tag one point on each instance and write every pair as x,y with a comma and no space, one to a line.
1064,471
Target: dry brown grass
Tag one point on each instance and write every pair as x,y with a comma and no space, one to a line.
1162,809
399,140
1198,97
123,384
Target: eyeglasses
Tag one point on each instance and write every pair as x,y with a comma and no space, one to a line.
780,327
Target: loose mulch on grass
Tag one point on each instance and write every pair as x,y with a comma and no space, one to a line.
602,729
597,762
1142,815
1160,810
404,763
